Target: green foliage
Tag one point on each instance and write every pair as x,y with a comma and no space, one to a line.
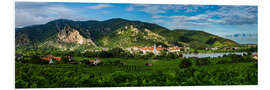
121,76
105,34
203,61
121,68
117,52
172,55
135,73
232,58
185,63
211,40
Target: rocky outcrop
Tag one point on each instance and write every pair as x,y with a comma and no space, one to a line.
71,35
21,40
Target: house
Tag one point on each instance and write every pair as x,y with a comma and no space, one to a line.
255,56
146,49
104,49
18,57
186,48
57,58
95,62
50,58
213,48
70,58
235,48
154,49
136,48
91,61
174,49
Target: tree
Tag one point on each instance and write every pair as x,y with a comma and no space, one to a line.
65,59
172,55
117,52
249,53
35,60
196,51
149,55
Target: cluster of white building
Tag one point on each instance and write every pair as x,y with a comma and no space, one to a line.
156,49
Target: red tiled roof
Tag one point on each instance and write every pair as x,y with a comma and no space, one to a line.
48,58
147,48
91,60
160,48
177,48
57,58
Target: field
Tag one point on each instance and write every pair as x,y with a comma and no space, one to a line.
134,72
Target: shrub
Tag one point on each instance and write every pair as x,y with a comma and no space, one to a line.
117,62
148,64
172,55
35,60
202,61
185,63
117,52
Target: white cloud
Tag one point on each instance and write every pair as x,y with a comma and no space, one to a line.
182,21
236,15
130,8
226,15
154,9
159,16
100,6
40,13
164,8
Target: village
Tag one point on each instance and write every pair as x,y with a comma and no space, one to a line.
156,50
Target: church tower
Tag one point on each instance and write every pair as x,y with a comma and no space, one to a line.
155,49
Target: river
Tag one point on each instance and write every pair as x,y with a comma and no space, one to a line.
203,55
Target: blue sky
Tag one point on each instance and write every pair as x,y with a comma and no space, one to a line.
215,19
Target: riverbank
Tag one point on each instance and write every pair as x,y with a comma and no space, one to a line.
203,55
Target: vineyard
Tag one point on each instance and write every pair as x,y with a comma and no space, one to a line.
113,73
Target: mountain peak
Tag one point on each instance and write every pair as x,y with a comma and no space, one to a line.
70,35
60,20
116,20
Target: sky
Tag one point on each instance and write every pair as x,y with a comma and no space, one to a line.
239,23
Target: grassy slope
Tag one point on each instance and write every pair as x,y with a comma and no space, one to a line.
130,38
197,39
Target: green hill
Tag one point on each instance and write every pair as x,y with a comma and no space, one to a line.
112,33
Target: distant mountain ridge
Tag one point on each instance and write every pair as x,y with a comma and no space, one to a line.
111,33
244,38
243,35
